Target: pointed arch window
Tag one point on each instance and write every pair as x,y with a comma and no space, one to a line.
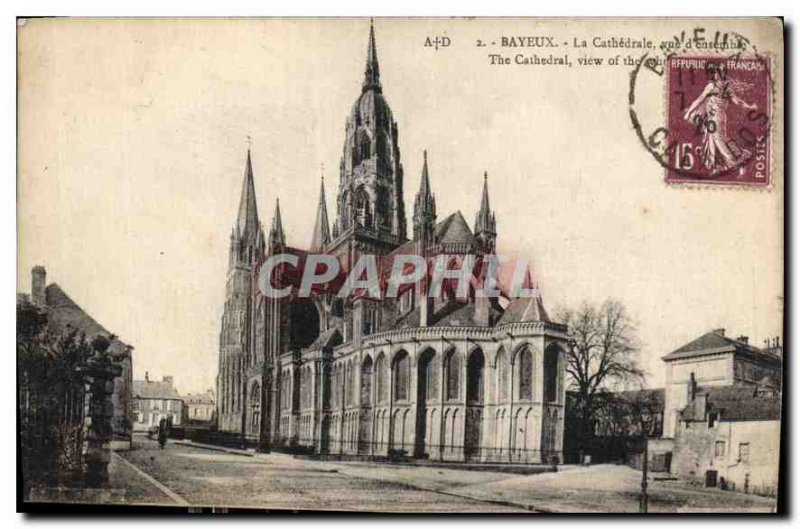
401,376
380,378
502,376
365,149
453,374
363,213
524,374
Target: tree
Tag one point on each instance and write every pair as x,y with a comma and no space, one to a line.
603,353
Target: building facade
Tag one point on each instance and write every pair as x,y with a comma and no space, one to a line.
456,377
716,360
64,315
729,437
155,400
199,408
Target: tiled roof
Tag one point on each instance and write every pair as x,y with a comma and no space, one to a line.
329,338
736,403
64,313
452,315
153,389
715,342
453,229
524,309
199,398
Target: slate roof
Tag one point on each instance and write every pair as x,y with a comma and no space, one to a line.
153,389
453,229
329,338
736,403
199,398
715,342
454,314
64,313
524,309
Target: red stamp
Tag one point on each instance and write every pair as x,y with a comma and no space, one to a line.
719,114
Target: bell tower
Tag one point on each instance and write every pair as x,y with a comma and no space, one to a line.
370,196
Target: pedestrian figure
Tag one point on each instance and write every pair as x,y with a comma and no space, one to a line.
162,433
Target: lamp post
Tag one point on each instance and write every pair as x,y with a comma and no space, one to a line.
646,424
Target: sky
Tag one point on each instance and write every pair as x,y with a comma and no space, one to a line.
132,145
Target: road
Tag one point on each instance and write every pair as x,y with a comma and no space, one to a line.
182,475
186,475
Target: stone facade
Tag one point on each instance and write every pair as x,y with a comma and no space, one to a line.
454,378
730,438
155,400
65,314
199,407
715,360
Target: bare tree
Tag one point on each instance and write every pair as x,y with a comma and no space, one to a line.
603,353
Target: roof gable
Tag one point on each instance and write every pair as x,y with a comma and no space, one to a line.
65,314
454,229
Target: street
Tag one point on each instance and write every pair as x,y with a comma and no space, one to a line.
188,475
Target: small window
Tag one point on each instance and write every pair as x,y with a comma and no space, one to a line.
713,418
719,449
744,452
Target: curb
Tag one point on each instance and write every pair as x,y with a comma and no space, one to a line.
213,448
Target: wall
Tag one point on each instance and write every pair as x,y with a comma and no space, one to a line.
149,412
696,453
716,370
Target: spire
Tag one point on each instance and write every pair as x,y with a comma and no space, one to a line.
372,74
276,232
424,185
247,220
484,220
322,234
424,205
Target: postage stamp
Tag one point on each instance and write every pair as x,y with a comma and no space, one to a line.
718,117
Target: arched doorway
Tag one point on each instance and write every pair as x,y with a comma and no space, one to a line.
427,385
365,424
474,411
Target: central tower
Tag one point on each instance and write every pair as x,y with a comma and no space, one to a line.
370,205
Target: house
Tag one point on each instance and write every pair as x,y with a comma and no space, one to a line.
63,314
715,360
729,437
153,401
199,408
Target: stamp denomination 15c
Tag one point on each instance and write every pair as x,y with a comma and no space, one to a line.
718,117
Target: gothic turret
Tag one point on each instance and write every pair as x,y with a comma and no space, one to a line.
424,207
370,197
245,237
485,224
276,236
372,73
247,220
322,233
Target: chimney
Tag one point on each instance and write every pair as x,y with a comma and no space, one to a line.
721,331
147,376
700,405
168,380
38,283
744,339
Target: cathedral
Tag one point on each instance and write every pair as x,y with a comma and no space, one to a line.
473,379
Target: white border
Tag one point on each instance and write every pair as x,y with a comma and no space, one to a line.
12,8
